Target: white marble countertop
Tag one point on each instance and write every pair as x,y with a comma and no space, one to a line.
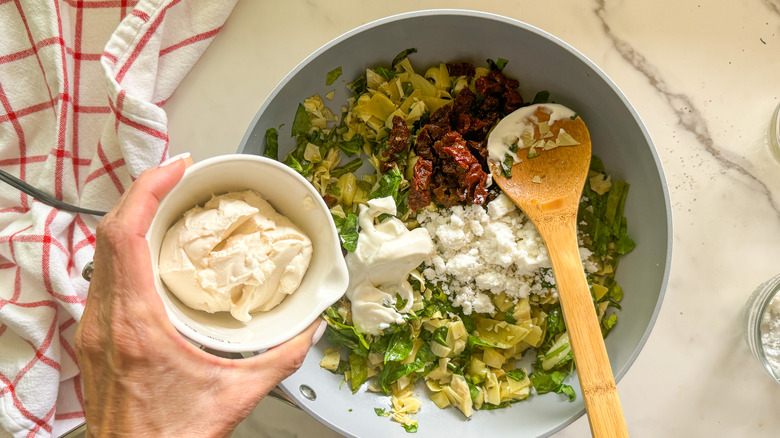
703,75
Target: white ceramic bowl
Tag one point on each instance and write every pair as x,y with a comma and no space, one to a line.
292,196
539,61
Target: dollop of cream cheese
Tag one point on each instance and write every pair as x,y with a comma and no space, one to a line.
236,254
378,268
511,128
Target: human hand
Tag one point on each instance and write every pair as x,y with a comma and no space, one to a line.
140,377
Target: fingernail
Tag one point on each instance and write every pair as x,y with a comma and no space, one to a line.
320,331
174,159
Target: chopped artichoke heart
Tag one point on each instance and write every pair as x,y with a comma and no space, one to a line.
565,139
544,130
374,79
378,106
331,94
598,290
463,393
375,123
440,350
415,112
500,333
441,373
535,336
439,75
492,358
550,144
600,184
460,83
480,71
331,360
527,138
347,185
440,399
411,99
522,309
477,370
562,344
492,389
434,103
312,153
391,89
420,83
501,301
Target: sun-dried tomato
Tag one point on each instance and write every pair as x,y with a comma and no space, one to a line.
330,200
441,117
462,69
454,148
427,136
513,100
463,102
453,145
473,127
479,149
398,141
420,190
474,183
487,85
489,105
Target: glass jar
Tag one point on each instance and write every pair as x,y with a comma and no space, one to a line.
762,326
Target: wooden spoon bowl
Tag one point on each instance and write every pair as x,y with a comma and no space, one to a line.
547,188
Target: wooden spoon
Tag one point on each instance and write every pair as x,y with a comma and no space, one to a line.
548,189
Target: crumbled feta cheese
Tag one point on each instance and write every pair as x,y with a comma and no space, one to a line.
482,251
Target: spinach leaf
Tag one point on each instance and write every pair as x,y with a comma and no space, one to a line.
350,167
518,374
555,323
498,64
301,123
394,371
385,73
401,56
400,346
271,144
332,75
303,167
425,355
440,335
359,86
388,185
348,230
358,371
545,382
541,97
352,146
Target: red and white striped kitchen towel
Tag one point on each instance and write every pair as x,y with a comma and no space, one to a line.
82,83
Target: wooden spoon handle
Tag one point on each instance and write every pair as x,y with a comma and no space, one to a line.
590,355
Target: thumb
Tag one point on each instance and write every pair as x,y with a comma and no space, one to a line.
139,204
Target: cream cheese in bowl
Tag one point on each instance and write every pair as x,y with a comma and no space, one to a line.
236,254
256,261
